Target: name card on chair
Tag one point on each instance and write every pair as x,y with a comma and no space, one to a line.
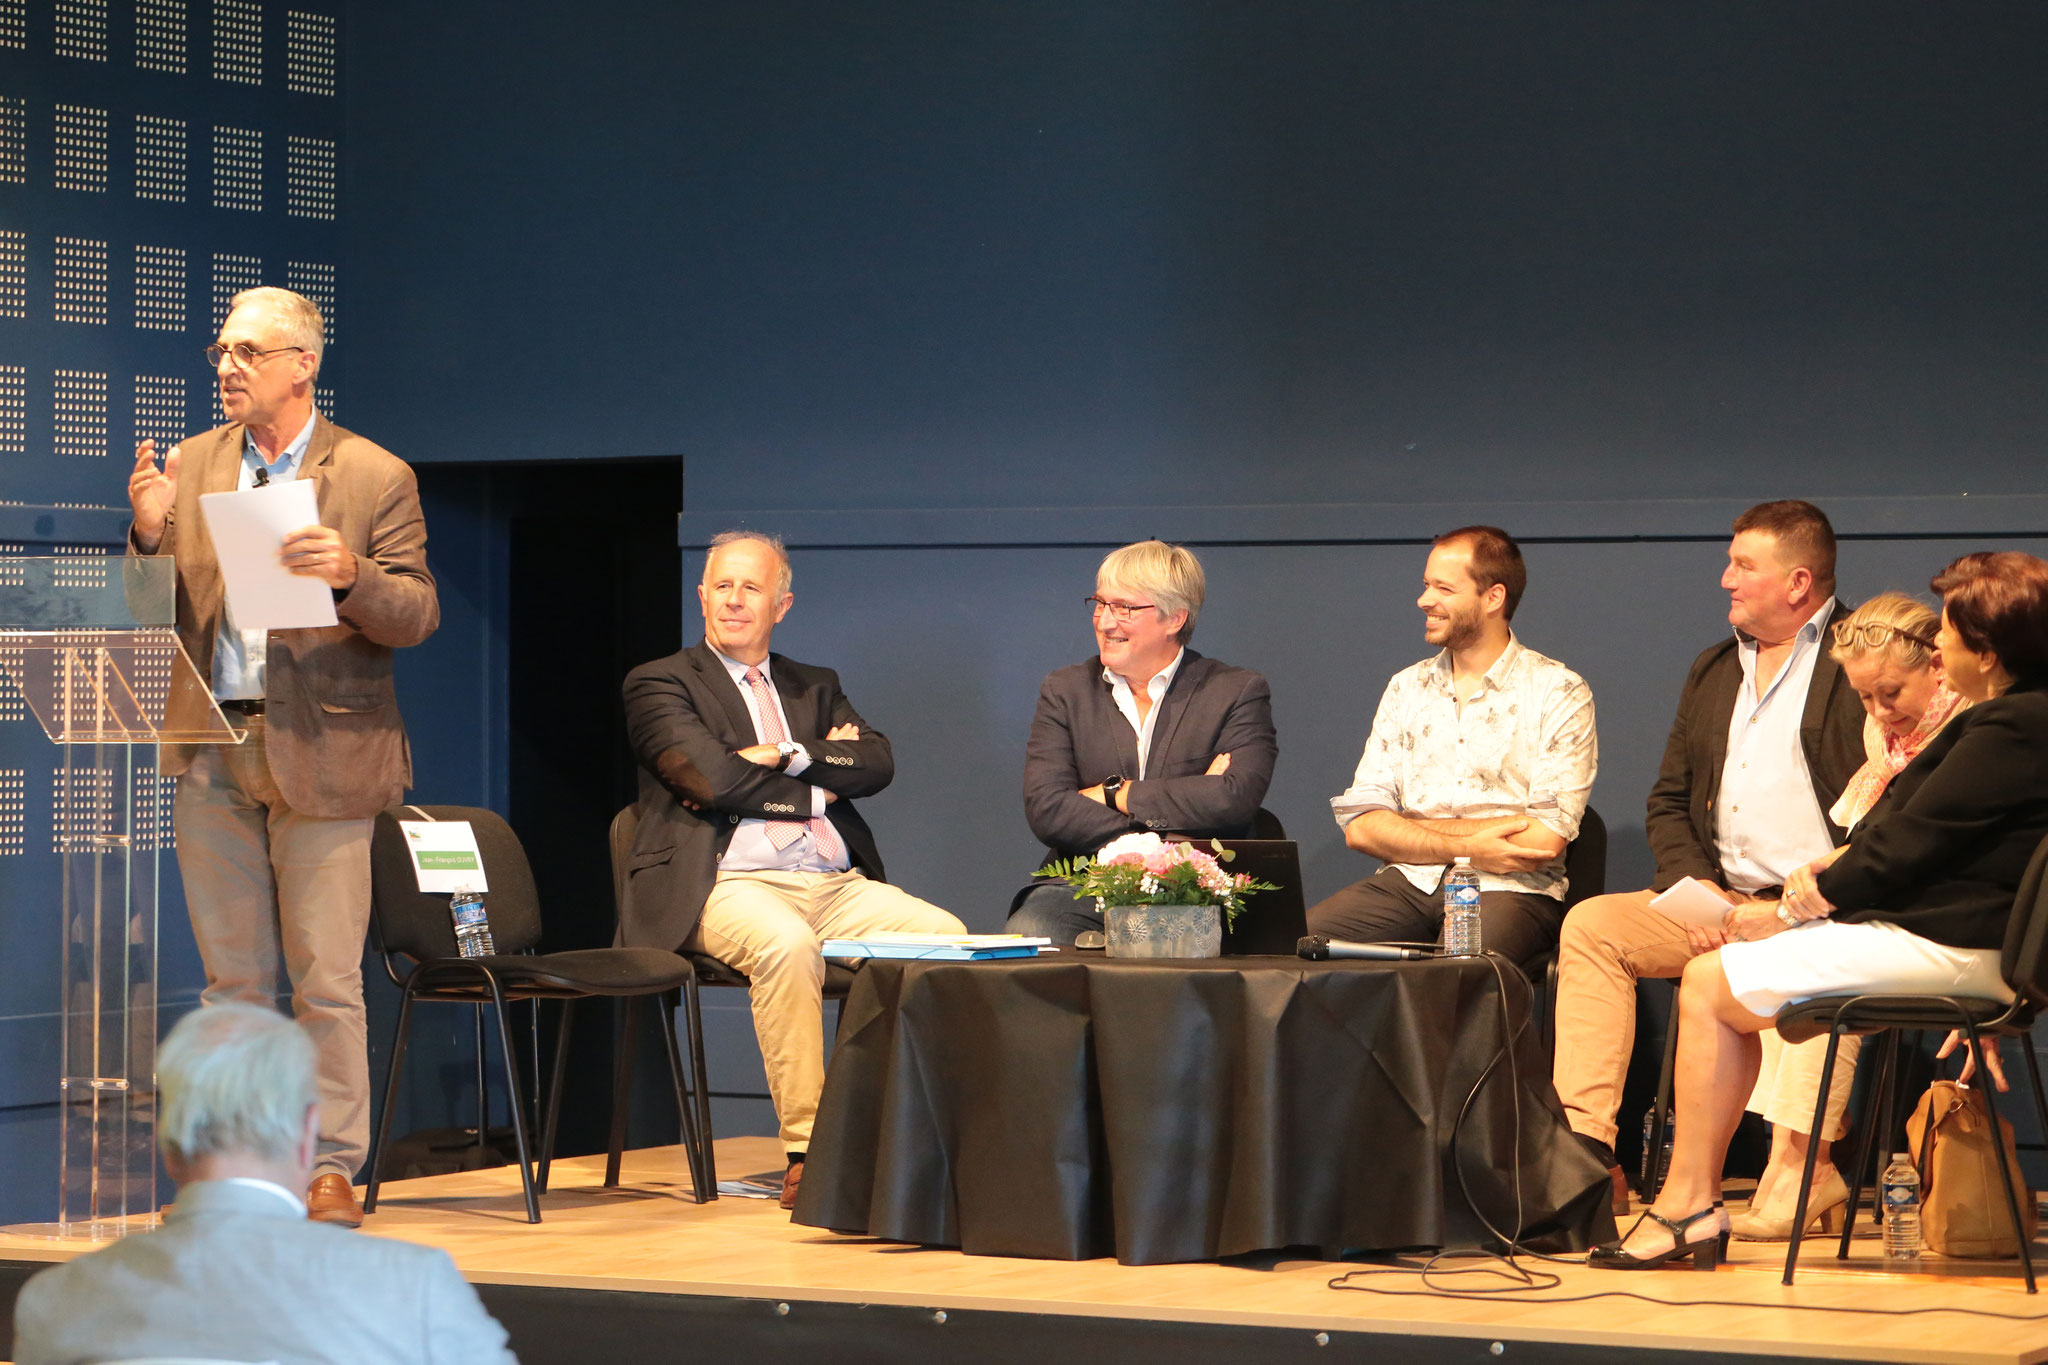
444,856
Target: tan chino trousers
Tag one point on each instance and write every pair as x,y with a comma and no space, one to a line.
769,925
267,886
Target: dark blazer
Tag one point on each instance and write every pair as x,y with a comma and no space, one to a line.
1943,850
337,746
1078,738
686,722
1680,821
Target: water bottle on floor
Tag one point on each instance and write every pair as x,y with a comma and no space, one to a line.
1901,1194
472,925
1461,910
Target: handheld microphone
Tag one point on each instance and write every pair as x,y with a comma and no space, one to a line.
1318,947
262,476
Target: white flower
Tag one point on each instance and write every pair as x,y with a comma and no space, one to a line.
1141,844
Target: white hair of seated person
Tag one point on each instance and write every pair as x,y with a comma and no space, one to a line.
234,1080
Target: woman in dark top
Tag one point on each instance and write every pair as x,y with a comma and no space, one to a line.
1917,901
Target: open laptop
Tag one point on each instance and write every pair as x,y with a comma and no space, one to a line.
1272,922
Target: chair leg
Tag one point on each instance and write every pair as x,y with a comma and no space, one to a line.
1820,1115
483,1093
512,1088
390,1099
702,1188
623,1039
694,1012
2034,1074
1863,1174
554,1099
2012,1203
1653,1160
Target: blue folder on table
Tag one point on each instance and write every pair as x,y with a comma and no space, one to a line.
935,947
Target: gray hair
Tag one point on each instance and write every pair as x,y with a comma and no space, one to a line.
298,317
1168,574
234,1078
782,579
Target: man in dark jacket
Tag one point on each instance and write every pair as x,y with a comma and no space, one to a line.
1146,736
1768,733
749,847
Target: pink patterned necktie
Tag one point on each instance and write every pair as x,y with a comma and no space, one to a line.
783,833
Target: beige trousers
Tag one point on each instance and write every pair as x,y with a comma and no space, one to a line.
1608,944
769,925
1789,1079
267,887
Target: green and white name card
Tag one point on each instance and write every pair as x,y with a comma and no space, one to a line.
444,856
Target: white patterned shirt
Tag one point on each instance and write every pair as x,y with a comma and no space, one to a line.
1524,745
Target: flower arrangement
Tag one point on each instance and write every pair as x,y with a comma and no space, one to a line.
1144,869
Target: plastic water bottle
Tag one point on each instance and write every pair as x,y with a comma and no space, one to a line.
1461,910
1901,1211
472,926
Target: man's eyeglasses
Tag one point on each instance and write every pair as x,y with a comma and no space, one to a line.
245,355
1118,611
1875,635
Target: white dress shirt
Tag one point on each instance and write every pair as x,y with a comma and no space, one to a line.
1127,702
1768,821
1524,745
751,850
296,1204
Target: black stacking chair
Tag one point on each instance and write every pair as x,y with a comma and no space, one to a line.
417,938
1585,872
2024,963
702,970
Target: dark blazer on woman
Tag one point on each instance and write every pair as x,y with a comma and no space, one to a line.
1943,850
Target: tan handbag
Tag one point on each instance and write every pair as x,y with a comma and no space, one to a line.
1962,1204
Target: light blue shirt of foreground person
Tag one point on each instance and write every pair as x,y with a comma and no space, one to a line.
240,656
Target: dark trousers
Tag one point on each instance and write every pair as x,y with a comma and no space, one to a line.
1387,908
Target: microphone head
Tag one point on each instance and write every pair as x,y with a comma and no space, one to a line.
1314,947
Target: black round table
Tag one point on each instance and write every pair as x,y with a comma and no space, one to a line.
1073,1106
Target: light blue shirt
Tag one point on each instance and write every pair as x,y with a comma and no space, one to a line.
1769,822
1127,702
240,656
751,850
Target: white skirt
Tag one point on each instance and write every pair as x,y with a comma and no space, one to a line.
1822,957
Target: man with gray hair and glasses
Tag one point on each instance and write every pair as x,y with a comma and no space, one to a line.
1147,735
274,832
237,1272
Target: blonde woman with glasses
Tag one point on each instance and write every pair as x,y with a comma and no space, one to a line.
1887,653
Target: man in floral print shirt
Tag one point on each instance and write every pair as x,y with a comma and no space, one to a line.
1485,751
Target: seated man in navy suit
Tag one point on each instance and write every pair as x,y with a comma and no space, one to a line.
749,847
1147,735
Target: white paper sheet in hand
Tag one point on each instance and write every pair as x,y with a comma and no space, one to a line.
248,529
1691,901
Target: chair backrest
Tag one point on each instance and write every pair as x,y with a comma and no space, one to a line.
416,924
2025,959
1266,825
1585,860
625,829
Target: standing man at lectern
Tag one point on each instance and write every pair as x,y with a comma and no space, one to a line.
274,833
749,847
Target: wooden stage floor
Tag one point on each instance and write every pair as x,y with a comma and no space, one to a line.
646,1238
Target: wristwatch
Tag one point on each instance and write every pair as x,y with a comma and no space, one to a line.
1786,917
787,750
1111,785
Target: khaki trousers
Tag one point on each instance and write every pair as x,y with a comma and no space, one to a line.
1608,944
769,925
267,887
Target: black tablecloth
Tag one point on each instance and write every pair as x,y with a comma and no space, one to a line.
1072,1106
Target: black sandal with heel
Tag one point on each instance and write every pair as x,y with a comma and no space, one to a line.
1706,1252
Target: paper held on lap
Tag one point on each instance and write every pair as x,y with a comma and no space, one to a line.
1691,901
248,530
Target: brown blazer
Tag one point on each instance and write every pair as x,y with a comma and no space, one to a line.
1680,822
337,744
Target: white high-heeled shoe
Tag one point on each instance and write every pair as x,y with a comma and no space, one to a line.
1826,1207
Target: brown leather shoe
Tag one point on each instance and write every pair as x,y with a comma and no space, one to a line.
331,1199
791,1178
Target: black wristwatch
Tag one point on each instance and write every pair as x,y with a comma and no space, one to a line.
1111,785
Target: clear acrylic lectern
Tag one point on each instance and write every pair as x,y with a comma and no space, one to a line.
90,644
